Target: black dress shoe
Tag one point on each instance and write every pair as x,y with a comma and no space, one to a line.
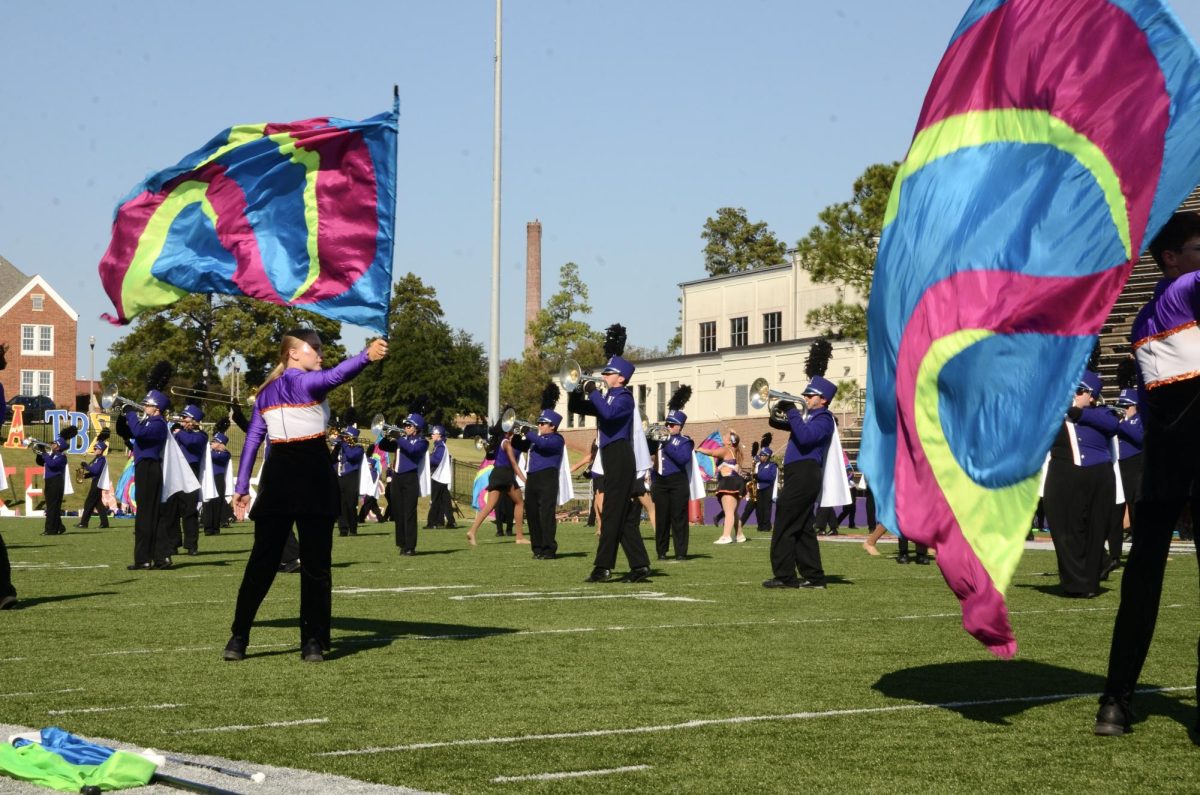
549,556
1112,566
311,652
8,602
681,557
812,586
779,582
640,574
163,564
922,560
902,558
138,566
83,526
599,575
291,567
408,553
102,527
193,553
1114,717
235,649
662,557
500,533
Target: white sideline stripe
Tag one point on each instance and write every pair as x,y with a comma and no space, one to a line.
351,590
572,774
275,725
42,692
704,722
578,594
57,566
86,710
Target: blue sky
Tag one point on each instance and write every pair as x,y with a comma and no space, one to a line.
626,124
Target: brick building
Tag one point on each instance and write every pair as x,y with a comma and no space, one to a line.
40,329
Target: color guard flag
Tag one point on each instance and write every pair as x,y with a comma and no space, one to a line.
62,761
1057,137
299,214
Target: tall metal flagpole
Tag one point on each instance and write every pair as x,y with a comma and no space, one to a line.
494,354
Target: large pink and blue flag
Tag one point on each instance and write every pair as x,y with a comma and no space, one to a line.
1056,139
299,214
708,466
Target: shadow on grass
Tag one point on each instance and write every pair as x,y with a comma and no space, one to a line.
24,603
373,633
1015,686
1056,590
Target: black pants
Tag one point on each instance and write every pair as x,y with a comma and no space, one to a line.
504,514
316,583
824,520
794,542
441,513
541,502
188,507
617,526
6,585
93,504
348,491
1131,483
53,492
213,513
922,550
370,505
149,541
1079,506
848,512
870,499
670,494
751,509
405,490
762,508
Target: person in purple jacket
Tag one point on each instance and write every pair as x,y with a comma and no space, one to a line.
94,503
408,456
1081,489
1166,345
297,486
55,478
671,488
1129,461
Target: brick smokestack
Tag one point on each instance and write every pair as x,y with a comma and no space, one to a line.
533,276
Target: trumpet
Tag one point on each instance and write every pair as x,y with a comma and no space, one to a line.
509,421
111,399
381,428
38,446
656,432
570,375
209,396
480,443
762,396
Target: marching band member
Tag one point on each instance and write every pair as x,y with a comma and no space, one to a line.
55,478
94,473
410,468
183,508
594,473
671,486
1130,435
547,450
441,467
370,493
502,480
297,487
218,461
348,457
148,435
766,474
615,411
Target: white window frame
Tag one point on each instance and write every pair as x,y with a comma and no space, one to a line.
39,302
38,334
31,382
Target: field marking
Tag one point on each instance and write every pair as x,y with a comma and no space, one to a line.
352,590
57,566
579,595
88,710
42,692
239,728
737,720
571,774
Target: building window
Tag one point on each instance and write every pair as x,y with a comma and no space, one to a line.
662,401
37,382
739,332
772,326
708,337
741,400
37,340
643,396
39,301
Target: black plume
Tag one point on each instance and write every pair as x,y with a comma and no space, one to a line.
103,435
614,341
680,398
419,405
550,395
1127,374
349,417
222,425
69,432
160,374
123,430
370,450
818,358
3,355
1093,362
766,440
754,450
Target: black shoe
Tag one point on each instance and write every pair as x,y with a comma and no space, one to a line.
549,556
311,652
193,553
922,560
500,533
451,527
343,535
663,557
1114,717
681,557
291,567
138,566
812,586
902,558
764,529
1112,566
779,582
408,553
163,564
537,555
508,532
640,574
235,649
8,602
832,532
599,575
102,527
83,526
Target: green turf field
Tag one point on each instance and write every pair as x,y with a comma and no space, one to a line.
465,670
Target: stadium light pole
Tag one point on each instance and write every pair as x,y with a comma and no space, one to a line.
92,375
494,354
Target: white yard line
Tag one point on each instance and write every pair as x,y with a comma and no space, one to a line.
57,566
571,774
741,719
241,728
42,692
88,710
350,590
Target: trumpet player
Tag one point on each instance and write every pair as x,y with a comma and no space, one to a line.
148,436
219,455
93,473
406,479
54,459
671,488
441,514
546,450
348,458
183,508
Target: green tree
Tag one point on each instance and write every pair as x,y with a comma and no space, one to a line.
734,244
842,249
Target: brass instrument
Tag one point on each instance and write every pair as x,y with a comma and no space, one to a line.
81,472
509,422
480,443
570,375
656,432
209,396
762,396
111,399
38,446
381,428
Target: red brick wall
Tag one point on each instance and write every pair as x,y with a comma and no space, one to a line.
62,362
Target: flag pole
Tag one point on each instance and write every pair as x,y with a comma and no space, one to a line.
494,352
